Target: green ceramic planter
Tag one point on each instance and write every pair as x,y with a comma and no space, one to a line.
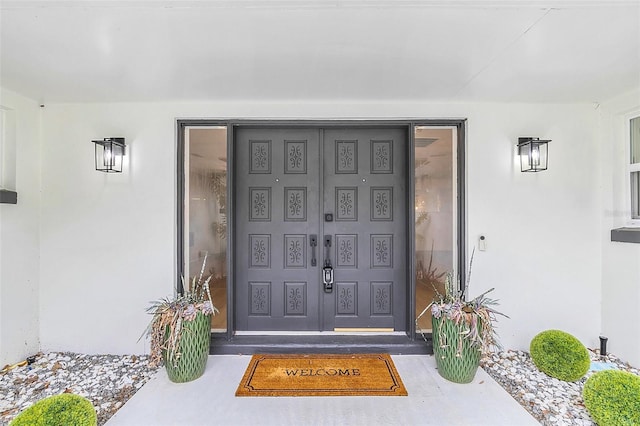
458,368
194,350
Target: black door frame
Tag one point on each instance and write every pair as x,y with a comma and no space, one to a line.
228,342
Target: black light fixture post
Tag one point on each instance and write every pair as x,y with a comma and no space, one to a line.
109,153
533,154
603,346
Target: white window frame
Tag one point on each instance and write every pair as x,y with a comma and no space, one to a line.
631,168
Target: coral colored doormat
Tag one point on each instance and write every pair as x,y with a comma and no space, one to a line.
321,375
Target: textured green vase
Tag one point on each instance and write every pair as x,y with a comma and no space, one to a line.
453,366
193,349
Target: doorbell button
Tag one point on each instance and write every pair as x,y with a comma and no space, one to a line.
328,217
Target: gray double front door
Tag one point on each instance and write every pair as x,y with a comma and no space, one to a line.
307,198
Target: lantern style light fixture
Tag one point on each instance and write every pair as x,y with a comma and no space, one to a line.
534,154
109,153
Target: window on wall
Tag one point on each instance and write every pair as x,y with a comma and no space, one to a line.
634,167
205,212
435,214
7,148
2,138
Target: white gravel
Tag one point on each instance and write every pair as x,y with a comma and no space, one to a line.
108,381
551,401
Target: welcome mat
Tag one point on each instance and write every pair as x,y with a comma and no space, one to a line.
321,375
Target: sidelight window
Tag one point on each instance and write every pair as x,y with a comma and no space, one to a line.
205,212
435,214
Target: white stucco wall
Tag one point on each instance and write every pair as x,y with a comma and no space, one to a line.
542,229
19,237
108,241
620,261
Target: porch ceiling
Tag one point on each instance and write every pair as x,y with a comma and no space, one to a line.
315,50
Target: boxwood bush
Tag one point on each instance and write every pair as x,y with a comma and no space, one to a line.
58,410
560,355
612,398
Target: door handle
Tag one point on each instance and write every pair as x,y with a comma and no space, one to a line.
327,250
327,270
313,242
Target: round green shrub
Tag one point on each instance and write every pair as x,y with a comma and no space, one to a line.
560,355
58,410
612,398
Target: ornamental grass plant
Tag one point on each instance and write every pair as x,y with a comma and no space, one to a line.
475,317
166,328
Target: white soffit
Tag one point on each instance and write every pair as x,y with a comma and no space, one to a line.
346,50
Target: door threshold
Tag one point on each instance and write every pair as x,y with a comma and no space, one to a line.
326,343
336,332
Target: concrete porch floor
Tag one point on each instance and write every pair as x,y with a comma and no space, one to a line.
211,400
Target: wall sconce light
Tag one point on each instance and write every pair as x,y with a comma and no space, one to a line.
533,154
109,153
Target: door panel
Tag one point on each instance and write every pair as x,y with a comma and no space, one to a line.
277,209
287,180
364,189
